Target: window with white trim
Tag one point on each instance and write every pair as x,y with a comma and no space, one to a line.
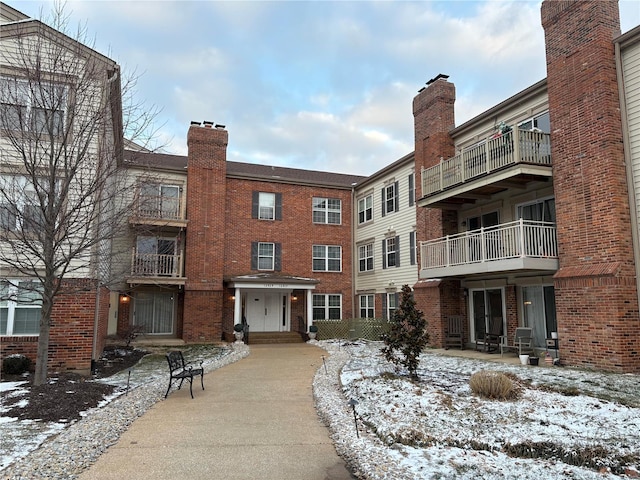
390,198
20,208
266,206
540,122
327,258
266,256
391,304
365,258
391,252
35,107
159,200
327,210
365,209
327,306
367,306
20,307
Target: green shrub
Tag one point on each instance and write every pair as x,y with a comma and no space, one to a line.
407,335
494,385
16,364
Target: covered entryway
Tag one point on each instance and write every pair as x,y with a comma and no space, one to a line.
269,303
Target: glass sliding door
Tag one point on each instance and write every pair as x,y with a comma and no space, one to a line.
540,312
154,312
485,305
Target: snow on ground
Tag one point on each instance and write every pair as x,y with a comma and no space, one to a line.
19,438
436,427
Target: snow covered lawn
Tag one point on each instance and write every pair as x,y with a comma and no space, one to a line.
566,423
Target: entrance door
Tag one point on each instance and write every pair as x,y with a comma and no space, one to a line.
264,311
485,305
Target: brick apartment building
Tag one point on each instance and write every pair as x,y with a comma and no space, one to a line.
526,215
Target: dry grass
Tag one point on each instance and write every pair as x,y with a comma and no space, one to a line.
493,385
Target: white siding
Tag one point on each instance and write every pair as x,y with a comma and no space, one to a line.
399,223
631,78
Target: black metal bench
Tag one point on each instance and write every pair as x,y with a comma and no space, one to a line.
180,370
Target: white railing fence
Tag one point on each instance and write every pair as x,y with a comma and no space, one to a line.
156,265
492,154
159,207
522,238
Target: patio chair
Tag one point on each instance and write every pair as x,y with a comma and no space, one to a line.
522,341
492,337
453,336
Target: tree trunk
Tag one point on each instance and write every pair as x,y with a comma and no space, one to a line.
42,357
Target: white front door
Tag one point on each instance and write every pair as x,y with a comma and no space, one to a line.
264,311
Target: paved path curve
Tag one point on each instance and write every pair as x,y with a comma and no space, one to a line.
255,420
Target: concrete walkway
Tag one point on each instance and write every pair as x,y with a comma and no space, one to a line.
255,420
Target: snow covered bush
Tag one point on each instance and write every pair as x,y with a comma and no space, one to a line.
16,364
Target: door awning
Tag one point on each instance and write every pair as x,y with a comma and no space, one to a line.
271,281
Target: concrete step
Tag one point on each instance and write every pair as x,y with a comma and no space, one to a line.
261,338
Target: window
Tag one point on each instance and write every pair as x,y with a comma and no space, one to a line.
412,189
365,257
159,201
540,210
35,107
541,122
327,307
266,256
391,252
390,198
367,307
327,258
327,210
365,209
19,206
390,305
20,306
266,206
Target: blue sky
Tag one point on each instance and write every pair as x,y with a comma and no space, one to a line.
317,85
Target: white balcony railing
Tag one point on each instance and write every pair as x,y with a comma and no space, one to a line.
516,146
159,207
156,265
519,239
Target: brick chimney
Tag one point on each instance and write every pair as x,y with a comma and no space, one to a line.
205,239
596,299
433,112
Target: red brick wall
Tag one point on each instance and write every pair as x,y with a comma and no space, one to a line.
596,300
296,234
72,329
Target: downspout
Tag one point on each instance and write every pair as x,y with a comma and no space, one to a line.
96,317
354,249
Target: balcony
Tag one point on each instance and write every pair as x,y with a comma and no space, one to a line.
150,268
508,160
514,246
159,210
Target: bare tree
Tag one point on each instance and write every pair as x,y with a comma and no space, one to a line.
62,124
